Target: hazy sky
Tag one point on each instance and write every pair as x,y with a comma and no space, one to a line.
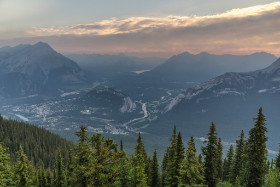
143,27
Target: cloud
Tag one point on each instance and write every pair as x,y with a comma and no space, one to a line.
238,31
146,24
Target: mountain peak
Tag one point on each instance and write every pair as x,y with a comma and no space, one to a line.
185,53
42,45
275,66
203,53
42,48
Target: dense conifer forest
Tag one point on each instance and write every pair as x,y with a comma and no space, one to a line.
96,161
38,144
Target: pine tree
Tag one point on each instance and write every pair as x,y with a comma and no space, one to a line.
124,179
191,171
273,178
49,178
238,161
5,169
121,146
140,175
70,175
155,172
257,153
228,164
106,160
277,160
164,166
83,160
42,176
60,178
220,159
21,169
272,164
171,174
210,157
244,170
200,159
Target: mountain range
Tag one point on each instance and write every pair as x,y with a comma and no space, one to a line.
151,102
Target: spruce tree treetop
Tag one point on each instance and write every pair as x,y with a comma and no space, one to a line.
155,171
257,152
5,169
21,168
228,164
220,159
191,171
238,161
210,157
277,161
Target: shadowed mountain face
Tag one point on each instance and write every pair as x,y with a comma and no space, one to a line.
100,67
29,69
230,100
187,67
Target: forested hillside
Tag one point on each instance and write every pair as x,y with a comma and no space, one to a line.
37,143
96,161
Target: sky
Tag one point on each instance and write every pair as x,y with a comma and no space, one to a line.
148,28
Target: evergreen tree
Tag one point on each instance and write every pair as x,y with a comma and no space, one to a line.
171,175
140,175
60,178
238,161
257,153
83,158
70,175
273,178
228,163
21,168
5,169
220,159
272,164
140,148
121,146
210,157
277,160
42,176
164,166
155,172
49,178
124,179
105,160
244,170
191,171
200,159
179,157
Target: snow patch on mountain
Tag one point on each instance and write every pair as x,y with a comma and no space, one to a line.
270,90
128,105
262,91
228,91
174,102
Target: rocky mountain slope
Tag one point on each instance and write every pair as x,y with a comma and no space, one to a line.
30,69
230,100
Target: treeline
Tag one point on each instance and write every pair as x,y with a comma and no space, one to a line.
37,143
96,161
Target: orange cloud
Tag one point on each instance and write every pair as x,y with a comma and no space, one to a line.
144,24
